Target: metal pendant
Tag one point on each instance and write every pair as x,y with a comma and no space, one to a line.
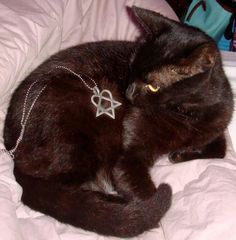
99,97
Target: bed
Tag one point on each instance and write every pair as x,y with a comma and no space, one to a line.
204,192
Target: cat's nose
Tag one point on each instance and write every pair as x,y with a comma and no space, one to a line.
130,91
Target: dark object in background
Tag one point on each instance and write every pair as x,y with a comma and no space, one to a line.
230,32
181,6
230,4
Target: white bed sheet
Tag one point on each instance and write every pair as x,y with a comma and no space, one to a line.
204,200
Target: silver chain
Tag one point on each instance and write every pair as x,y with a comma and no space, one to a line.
25,117
94,89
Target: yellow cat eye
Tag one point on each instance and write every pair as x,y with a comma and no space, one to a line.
152,89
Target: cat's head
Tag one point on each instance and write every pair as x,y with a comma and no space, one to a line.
171,61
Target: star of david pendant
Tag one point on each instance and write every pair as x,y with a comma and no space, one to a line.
104,95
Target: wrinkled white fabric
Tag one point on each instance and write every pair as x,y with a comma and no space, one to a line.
204,205
204,199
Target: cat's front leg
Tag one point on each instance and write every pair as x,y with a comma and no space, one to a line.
132,178
214,149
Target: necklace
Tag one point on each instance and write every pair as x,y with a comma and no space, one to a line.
98,97
24,117
96,100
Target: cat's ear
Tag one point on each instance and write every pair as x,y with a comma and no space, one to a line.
199,60
152,23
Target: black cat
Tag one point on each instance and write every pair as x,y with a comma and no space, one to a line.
93,172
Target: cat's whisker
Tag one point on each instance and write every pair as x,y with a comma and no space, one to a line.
181,117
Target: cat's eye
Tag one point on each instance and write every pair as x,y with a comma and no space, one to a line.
152,88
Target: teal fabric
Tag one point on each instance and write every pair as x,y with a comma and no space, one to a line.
213,20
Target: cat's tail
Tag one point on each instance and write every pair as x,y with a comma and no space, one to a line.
95,211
